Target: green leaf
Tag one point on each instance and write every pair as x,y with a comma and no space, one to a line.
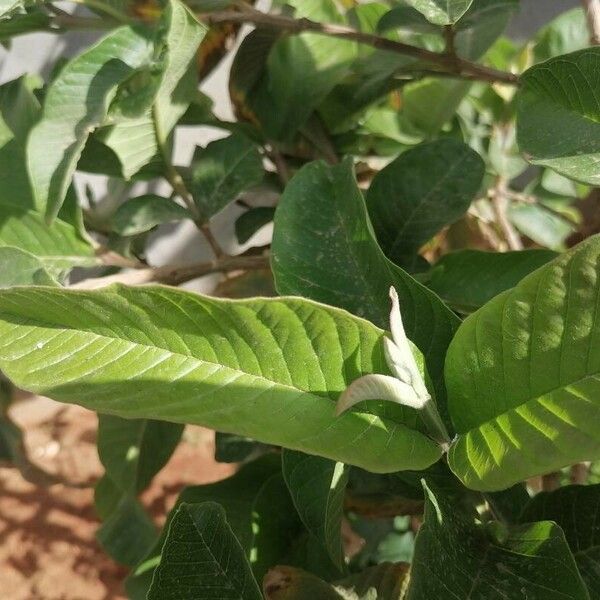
430,103
543,226
576,509
77,102
222,171
558,120
128,532
18,267
202,559
481,26
133,451
467,279
259,511
167,354
59,247
251,221
302,68
137,141
324,248
27,22
143,213
317,487
456,558
442,12
567,33
522,376
420,192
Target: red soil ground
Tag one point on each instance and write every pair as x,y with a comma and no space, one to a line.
47,546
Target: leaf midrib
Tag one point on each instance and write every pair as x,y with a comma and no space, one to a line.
34,323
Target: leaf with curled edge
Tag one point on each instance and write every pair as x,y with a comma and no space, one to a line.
167,354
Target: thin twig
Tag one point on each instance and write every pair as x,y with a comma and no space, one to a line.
499,199
592,11
177,274
453,64
579,473
283,171
174,178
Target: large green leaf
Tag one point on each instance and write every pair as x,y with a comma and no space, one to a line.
77,102
558,117
222,171
317,486
523,376
455,558
441,12
467,279
167,354
576,509
420,192
202,558
324,248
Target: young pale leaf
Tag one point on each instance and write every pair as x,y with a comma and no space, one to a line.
558,120
202,558
576,509
442,12
141,214
77,102
167,354
467,279
523,376
324,248
420,192
378,387
222,171
317,486
18,267
455,558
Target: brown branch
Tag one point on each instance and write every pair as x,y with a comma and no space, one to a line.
450,63
176,181
499,197
177,274
592,12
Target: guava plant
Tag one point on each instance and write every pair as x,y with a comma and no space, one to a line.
429,355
